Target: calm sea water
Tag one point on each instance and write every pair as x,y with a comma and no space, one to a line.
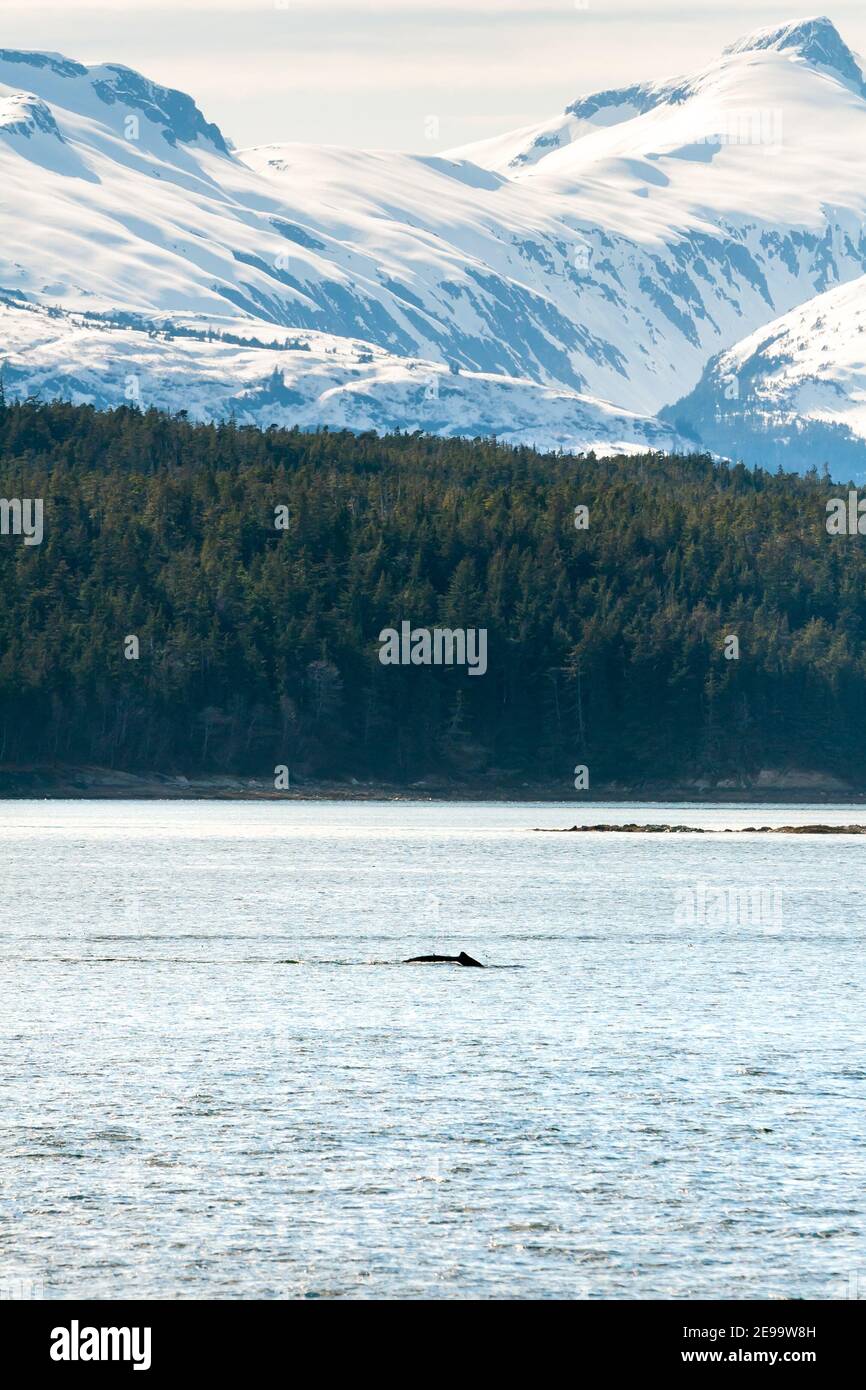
218,1082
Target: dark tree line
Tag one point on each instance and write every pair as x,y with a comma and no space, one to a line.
258,646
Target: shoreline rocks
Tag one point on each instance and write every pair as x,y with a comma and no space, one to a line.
633,829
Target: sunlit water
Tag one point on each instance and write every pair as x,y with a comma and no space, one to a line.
218,1082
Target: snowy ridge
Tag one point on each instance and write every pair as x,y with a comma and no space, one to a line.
794,392
304,380
574,279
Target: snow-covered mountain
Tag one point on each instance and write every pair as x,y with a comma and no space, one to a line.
793,393
304,379
562,285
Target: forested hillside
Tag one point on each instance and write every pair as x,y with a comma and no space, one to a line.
258,646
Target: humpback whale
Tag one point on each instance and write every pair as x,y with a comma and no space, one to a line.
462,959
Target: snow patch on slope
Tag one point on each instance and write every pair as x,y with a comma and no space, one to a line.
305,380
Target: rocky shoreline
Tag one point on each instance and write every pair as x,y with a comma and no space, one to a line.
72,782
633,829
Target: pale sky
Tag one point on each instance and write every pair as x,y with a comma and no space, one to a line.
392,73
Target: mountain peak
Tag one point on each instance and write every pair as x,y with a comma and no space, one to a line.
34,58
175,113
816,39
27,115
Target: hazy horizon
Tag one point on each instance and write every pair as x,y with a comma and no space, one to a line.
395,74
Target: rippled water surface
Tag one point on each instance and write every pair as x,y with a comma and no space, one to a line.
218,1082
